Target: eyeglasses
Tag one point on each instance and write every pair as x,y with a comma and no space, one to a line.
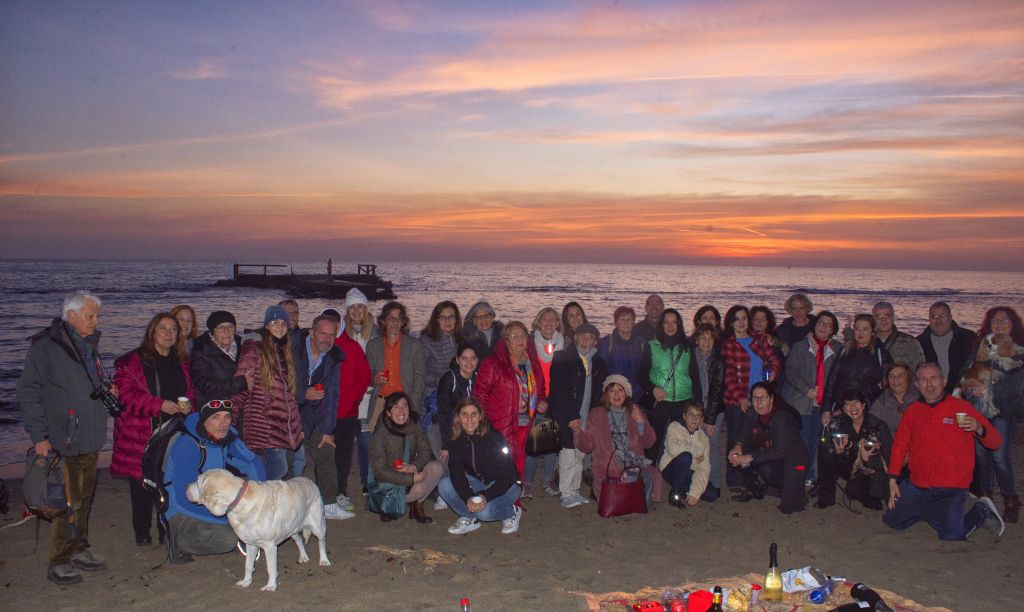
446,317
393,319
939,317
218,404
224,327
760,398
516,337
484,315
1001,321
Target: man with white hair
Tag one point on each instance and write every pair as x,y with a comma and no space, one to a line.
61,397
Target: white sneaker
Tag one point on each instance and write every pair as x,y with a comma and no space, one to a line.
571,501
344,502
511,525
336,512
582,500
994,521
440,504
464,525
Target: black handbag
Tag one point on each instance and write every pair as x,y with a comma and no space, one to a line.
544,438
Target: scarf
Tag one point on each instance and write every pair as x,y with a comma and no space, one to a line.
546,348
527,388
761,438
619,424
703,367
819,362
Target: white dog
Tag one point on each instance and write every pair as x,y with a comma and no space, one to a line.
264,514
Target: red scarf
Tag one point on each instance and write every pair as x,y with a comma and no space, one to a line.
819,359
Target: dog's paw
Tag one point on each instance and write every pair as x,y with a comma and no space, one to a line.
304,559
324,561
270,587
244,582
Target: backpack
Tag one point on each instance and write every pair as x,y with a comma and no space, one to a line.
44,485
154,458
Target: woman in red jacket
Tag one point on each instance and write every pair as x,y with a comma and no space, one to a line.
749,359
150,379
355,379
510,387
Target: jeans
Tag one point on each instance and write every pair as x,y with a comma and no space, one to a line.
276,462
363,450
550,461
811,435
67,541
997,466
679,476
298,462
429,410
659,417
940,507
498,509
717,453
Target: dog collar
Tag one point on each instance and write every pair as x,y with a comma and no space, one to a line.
238,498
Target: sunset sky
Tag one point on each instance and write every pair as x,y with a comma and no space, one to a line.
771,132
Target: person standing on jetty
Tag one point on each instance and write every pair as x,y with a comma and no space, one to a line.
62,408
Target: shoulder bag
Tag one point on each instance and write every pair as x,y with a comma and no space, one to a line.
387,498
619,497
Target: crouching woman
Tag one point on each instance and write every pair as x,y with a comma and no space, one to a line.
400,454
770,451
482,483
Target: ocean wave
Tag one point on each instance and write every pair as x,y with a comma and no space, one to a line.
889,292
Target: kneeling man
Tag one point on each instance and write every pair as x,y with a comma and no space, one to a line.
209,443
937,435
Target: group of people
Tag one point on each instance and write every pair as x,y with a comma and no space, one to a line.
910,425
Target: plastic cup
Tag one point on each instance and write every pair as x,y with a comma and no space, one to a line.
185,404
961,419
319,387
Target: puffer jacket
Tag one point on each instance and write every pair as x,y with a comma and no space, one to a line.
857,368
439,353
355,377
134,426
388,443
269,417
624,357
802,372
498,390
54,394
213,371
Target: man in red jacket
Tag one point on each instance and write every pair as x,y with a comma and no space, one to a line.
937,435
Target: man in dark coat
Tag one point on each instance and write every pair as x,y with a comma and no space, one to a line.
947,344
577,373
62,411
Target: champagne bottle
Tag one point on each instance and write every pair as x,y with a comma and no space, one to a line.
716,601
773,579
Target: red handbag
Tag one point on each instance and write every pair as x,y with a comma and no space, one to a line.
619,498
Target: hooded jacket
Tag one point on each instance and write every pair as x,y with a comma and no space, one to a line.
354,379
451,389
184,456
54,391
486,458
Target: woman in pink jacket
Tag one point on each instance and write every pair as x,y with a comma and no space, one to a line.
150,379
617,433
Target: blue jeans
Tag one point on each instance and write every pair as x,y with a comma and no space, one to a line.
550,462
496,509
363,449
811,435
997,465
298,462
429,410
276,462
940,507
679,476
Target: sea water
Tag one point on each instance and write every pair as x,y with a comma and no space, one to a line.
133,291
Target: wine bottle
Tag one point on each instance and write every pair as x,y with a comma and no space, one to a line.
773,579
716,601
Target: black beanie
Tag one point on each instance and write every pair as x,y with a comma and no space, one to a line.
208,411
218,317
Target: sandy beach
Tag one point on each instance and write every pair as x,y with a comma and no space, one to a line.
407,566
